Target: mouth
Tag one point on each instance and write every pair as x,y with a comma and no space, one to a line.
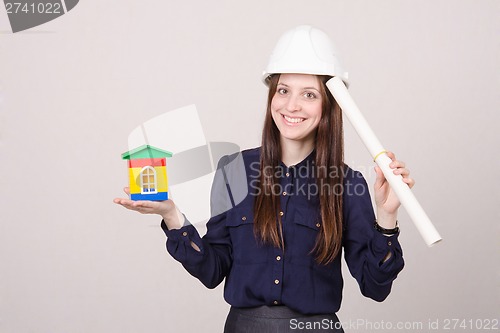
292,120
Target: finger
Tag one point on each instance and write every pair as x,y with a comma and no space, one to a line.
405,172
145,204
409,181
120,201
126,190
401,171
397,164
129,204
391,155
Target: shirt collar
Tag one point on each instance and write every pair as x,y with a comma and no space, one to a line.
308,161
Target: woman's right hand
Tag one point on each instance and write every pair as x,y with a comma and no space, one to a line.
166,209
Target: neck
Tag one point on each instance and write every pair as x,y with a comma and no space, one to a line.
294,151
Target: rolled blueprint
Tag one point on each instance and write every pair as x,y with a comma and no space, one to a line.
403,192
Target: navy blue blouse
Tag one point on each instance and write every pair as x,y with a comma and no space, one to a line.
259,274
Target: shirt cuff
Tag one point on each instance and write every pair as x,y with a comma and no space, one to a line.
384,272
382,242
178,233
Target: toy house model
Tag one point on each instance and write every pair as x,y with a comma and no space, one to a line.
147,169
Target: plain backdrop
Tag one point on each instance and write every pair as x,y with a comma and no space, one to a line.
426,75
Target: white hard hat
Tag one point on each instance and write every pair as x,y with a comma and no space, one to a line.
305,50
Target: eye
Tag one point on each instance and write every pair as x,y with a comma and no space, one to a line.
310,95
282,91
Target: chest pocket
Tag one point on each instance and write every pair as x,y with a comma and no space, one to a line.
246,248
306,227
308,217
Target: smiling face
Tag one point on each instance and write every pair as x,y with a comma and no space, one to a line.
296,107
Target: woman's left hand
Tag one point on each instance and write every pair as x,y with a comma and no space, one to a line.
386,200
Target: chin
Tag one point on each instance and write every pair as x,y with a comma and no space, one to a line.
295,136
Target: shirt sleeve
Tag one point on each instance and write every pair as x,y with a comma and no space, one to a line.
366,248
213,261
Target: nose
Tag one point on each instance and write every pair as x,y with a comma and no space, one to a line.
293,104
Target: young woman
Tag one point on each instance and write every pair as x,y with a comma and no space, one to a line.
279,250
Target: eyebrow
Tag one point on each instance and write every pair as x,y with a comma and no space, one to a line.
305,88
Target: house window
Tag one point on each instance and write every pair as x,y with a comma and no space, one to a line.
148,180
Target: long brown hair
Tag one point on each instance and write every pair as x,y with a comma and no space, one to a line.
329,157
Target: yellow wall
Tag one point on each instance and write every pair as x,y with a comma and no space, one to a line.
161,176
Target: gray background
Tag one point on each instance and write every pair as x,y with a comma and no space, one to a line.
425,74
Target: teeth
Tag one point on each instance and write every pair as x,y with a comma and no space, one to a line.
294,120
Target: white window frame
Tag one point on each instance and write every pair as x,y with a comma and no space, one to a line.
148,171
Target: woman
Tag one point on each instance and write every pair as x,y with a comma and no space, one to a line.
280,248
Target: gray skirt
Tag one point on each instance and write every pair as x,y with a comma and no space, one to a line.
278,319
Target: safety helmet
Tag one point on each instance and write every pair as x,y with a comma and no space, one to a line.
305,50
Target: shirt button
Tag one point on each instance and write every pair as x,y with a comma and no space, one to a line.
276,281
278,258
184,234
288,174
244,218
284,193
281,213
318,225
275,302
389,243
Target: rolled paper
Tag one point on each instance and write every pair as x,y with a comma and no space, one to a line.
402,190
